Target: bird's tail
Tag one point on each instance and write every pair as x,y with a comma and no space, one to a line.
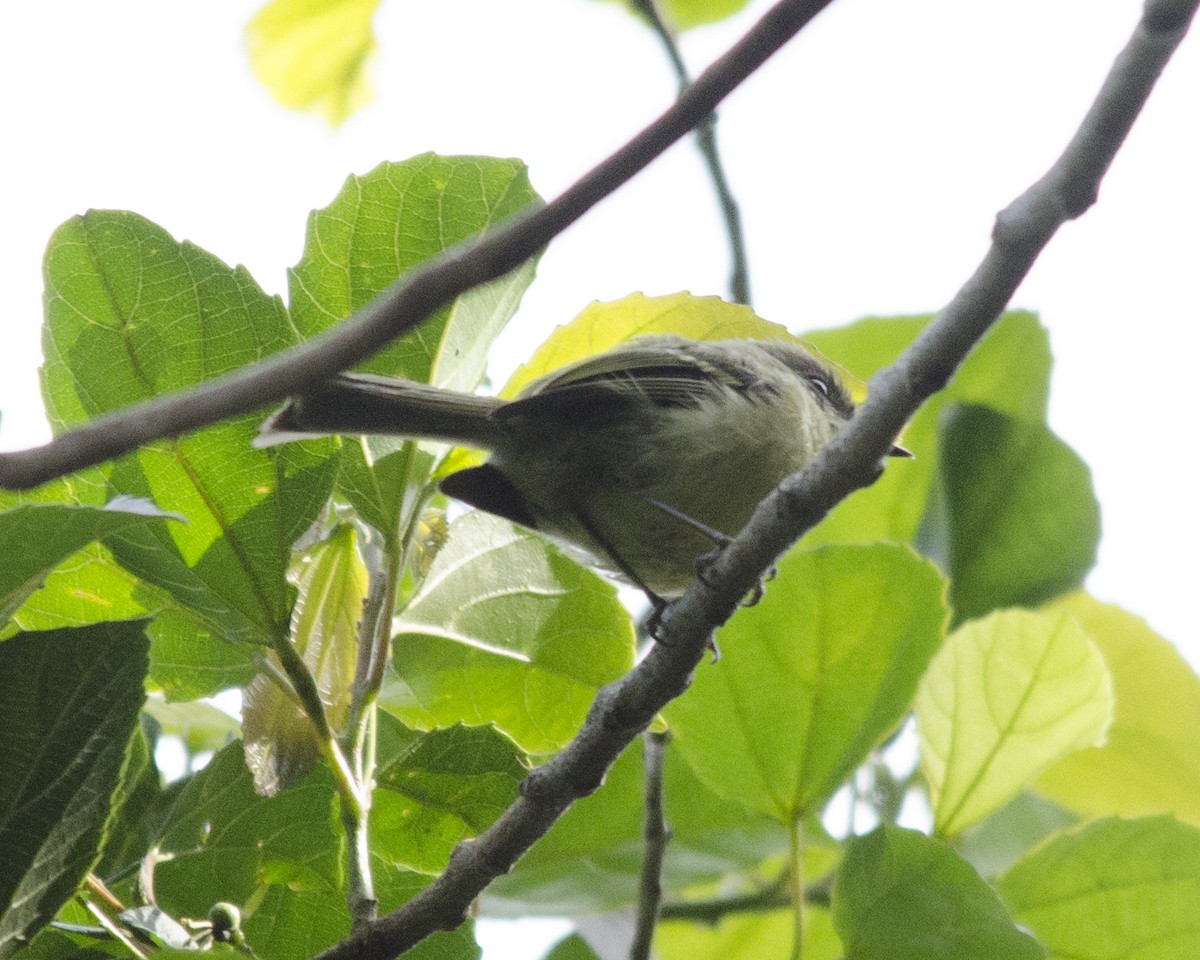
357,403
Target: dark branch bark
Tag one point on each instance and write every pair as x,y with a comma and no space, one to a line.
624,708
416,295
656,834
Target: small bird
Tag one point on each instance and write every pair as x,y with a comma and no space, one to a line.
636,460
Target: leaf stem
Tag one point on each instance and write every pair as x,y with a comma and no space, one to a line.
796,879
305,689
355,800
385,568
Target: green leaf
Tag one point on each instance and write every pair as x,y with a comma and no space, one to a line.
132,313
52,944
1006,697
1150,762
70,706
229,562
89,586
749,936
573,947
36,538
139,806
1112,889
505,630
1008,371
312,54
684,14
188,661
383,486
387,221
996,843
591,859
438,788
1021,522
811,678
901,895
278,858
281,744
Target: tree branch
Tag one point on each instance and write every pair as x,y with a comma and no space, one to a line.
656,833
624,708
416,295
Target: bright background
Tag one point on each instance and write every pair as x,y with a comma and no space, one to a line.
869,157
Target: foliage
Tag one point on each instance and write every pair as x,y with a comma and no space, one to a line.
401,675
314,55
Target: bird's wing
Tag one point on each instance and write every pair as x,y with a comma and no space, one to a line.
609,384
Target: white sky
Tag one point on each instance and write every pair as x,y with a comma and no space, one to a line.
869,157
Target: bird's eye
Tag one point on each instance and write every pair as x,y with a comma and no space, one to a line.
819,385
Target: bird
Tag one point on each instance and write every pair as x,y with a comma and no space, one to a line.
636,461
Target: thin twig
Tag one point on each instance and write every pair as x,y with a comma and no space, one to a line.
776,896
706,143
656,835
371,623
358,739
623,708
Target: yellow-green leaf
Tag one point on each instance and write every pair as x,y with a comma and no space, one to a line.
749,936
811,678
1112,890
601,326
682,14
1151,763
311,54
1004,698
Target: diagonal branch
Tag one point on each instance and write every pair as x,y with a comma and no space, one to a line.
622,709
416,295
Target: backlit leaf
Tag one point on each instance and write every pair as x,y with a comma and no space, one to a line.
1004,698
1112,890
312,54
382,224
812,677
901,895
505,630
1150,762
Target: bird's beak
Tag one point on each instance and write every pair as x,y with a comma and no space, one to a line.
899,451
